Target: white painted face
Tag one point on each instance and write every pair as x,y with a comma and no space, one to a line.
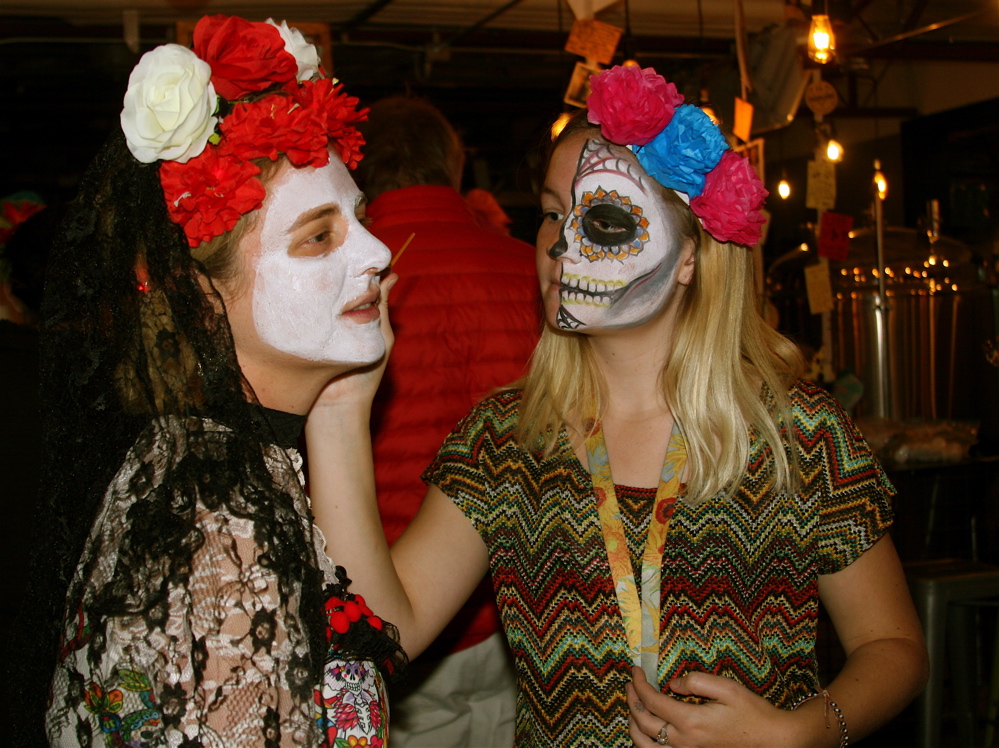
315,288
618,247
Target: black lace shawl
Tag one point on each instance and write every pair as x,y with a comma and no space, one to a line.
132,332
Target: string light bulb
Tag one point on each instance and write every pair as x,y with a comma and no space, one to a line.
821,42
834,151
784,187
880,183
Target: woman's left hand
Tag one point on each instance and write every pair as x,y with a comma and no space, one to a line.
734,716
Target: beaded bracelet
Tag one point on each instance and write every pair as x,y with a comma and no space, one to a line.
844,736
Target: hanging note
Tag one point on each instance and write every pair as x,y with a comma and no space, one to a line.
819,288
821,191
594,40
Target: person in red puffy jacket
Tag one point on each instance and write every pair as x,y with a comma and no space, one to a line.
466,317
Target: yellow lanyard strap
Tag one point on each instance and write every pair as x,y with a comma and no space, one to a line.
641,619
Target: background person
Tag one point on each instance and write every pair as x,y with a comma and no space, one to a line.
212,277
662,490
26,227
465,314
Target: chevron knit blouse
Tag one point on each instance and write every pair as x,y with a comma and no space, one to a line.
739,576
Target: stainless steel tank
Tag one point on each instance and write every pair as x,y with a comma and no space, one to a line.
939,320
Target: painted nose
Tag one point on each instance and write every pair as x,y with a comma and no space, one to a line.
560,247
372,256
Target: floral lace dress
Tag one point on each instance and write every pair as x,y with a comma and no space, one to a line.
223,662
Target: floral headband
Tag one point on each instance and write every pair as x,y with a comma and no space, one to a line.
681,148
246,91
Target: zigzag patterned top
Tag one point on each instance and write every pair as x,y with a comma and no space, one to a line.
739,578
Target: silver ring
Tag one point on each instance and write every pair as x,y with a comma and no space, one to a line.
663,737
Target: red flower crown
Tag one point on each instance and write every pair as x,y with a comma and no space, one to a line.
246,91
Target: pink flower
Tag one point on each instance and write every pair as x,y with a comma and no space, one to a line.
631,105
729,207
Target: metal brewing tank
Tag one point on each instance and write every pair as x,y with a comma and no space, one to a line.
939,322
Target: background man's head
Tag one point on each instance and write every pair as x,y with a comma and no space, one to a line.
409,143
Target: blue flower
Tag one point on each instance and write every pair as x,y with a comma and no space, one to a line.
686,149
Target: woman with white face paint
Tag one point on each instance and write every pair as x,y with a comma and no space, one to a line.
213,278
661,498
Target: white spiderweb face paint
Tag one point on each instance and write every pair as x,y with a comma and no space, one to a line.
619,247
322,305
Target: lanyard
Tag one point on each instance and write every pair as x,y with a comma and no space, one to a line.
641,617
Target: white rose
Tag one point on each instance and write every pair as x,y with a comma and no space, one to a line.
305,54
169,105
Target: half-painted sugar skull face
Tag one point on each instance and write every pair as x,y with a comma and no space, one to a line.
619,246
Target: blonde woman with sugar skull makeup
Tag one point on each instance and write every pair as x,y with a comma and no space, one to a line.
213,278
661,500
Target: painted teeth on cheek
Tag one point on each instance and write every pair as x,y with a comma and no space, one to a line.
576,290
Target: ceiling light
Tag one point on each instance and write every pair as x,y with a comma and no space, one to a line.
784,187
880,183
821,42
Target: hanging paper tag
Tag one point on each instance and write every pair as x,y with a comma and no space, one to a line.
821,191
820,298
743,126
594,40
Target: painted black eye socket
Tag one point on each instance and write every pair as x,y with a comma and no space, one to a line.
609,225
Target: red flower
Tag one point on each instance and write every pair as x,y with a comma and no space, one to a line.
729,207
209,193
276,124
341,113
339,622
374,620
245,57
664,510
348,144
343,613
630,104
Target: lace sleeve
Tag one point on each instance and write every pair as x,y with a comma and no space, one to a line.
248,682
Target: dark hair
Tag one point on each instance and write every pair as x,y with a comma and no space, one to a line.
408,143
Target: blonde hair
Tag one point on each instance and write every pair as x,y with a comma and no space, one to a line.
726,377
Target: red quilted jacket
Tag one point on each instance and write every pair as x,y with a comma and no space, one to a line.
466,315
